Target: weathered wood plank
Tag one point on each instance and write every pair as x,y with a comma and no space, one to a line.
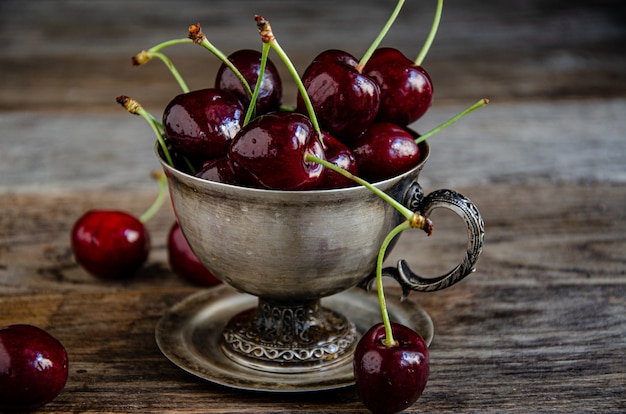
581,141
539,327
527,49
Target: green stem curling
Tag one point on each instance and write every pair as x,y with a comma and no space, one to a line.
173,70
198,37
413,220
388,341
431,35
267,36
478,104
407,213
160,199
135,107
146,55
370,51
259,82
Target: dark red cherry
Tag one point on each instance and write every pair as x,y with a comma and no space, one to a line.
187,164
110,244
184,262
33,368
201,123
249,64
340,155
406,91
390,379
385,150
333,56
219,170
270,152
345,100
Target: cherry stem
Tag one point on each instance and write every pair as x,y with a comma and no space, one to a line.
135,108
407,213
267,36
388,341
146,55
380,37
160,199
255,94
478,104
168,43
198,37
414,219
431,35
155,51
173,70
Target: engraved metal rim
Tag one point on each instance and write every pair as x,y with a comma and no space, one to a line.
200,318
289,194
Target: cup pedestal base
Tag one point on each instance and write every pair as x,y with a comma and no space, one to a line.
191,335
285,338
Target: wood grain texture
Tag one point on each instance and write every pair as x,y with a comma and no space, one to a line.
526,49
539,326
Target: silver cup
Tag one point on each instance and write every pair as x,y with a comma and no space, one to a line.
292,248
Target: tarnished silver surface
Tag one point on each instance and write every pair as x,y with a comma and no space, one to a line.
286,245
464,208
292,248
190,333
289,338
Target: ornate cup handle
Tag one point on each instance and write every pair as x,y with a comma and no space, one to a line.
462,206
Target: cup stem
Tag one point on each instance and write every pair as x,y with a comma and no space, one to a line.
288,337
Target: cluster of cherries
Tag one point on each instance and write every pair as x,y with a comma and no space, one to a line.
349,127
114,245
350,121
109,244
352,114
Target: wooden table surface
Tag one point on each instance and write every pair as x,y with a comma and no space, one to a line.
541,325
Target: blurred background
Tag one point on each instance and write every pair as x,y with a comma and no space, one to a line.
72,57
541,324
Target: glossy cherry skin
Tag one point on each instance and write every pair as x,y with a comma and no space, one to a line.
270,152
385,150
248,62
406,90
110,244
33,368
340,155
345,100
184,262
202,123
390,379
219,170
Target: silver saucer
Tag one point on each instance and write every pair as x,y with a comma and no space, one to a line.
189,335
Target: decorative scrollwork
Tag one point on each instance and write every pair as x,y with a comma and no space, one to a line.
414,196
463,207
300,335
